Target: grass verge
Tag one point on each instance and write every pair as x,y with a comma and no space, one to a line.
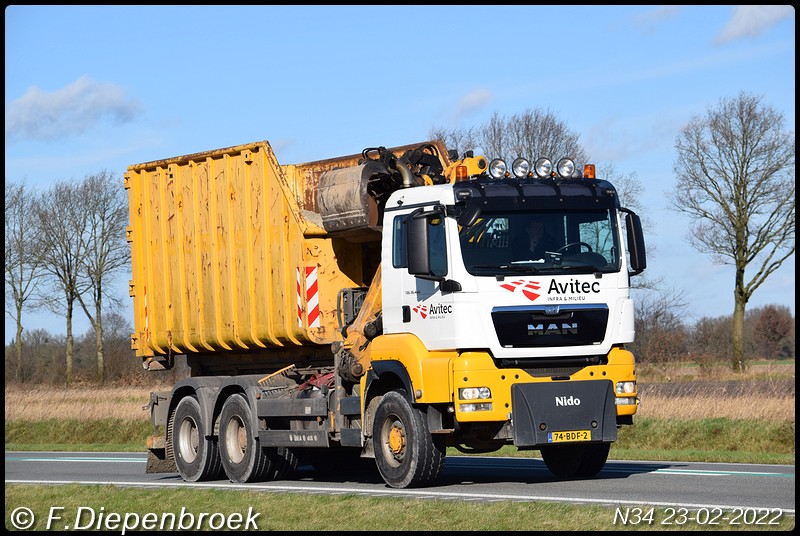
707,440
165,509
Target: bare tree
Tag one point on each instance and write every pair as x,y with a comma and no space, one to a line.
23,265
530,134
653,290
62,223
493,138
106,249
456,140
735,171
629,190
713,336
120,362
44,356
535,133
772,331
661,337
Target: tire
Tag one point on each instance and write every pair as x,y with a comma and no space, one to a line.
563,460
570,461
406,453
594,459
196,457
283,460
242,456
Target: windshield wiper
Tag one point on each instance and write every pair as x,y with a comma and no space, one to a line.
524,268
588,268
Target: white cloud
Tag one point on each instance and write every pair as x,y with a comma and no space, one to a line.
43,115
649,21
472,102
751,21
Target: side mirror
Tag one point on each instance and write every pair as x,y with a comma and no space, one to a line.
418,243
427,244
635,242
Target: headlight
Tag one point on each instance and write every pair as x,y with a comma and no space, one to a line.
474,393
543,167
565,168
520,167
497,169
626,388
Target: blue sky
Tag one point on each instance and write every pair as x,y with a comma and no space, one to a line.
91,88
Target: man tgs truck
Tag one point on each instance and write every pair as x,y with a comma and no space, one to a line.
378,305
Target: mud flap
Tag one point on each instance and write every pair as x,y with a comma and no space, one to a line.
542,408
157,462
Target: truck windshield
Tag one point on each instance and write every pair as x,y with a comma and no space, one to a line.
506,243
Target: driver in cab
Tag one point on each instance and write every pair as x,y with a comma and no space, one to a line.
533,244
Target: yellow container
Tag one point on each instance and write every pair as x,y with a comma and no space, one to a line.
229,254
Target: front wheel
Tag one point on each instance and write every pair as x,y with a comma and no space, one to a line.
569,461
406,453
594,459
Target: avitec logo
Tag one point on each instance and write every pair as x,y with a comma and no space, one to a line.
434,311
527,288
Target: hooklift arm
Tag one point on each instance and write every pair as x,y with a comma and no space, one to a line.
353,353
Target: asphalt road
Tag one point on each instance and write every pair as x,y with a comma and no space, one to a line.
621,483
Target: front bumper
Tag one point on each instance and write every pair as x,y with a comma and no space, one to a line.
543,408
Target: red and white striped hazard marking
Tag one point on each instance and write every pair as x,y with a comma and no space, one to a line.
311,297
299,300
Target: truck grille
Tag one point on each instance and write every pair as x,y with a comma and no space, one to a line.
548,326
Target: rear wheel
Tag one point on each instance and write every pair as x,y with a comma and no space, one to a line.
196,456
242,456
406,452
284,461
569,461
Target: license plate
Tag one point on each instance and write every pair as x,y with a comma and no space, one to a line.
569,436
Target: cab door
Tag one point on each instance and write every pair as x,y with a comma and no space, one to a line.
415,279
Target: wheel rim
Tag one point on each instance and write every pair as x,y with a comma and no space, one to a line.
394,440
235,440
188,440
